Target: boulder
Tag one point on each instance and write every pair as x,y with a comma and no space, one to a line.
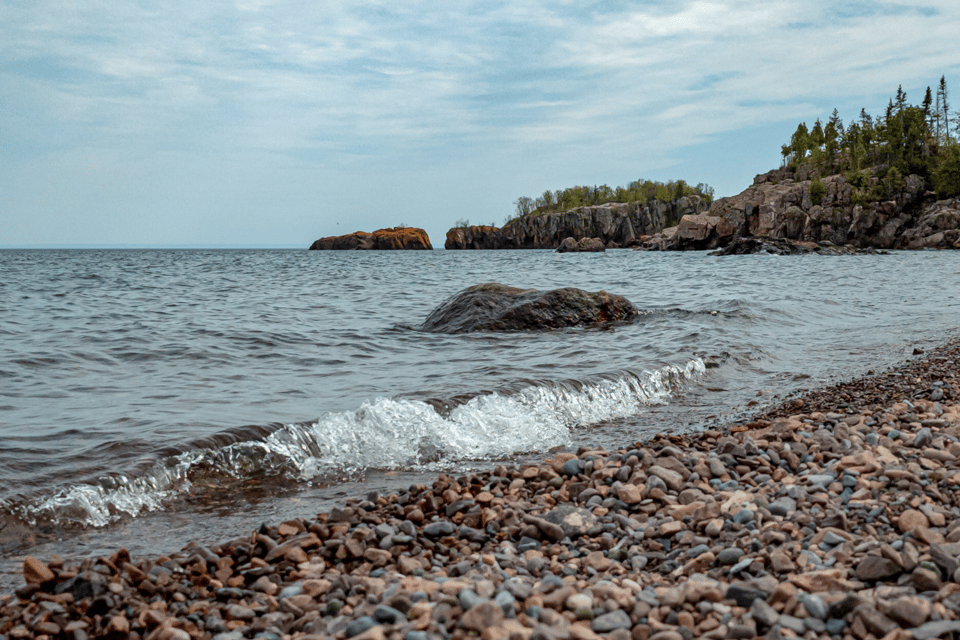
585,244
383,239
497,307
477,237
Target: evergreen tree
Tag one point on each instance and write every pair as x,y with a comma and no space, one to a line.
928,107
946,177
831,140
893,127
836,122
816,134
901,102
853,146
800,142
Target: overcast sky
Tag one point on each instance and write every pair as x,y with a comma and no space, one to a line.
259,123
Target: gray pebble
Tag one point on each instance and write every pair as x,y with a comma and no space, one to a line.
439,528
815,606
731,555
833,539
611,621
923,439
358,626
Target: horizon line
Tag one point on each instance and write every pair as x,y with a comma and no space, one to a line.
152,246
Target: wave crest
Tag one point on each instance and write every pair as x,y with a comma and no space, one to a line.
382,434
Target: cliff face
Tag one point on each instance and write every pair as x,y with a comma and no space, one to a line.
779,205
396,238
615,224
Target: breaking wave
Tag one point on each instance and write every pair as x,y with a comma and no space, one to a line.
382,434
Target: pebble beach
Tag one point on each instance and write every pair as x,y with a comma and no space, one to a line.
831,515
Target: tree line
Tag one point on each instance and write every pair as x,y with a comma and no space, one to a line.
583,196
906,139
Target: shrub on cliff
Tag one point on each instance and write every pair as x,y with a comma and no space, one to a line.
817,190
946,177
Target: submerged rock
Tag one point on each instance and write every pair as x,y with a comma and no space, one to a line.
383,239
497,307
786,247
571,245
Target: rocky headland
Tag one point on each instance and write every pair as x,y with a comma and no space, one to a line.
833,515
614,224
780,205
396,238
497,307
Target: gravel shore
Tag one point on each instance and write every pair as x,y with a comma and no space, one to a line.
833,515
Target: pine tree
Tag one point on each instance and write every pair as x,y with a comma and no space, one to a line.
800,142
901,101
831,138
816,134
927,106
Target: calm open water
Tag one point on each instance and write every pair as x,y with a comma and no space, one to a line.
150,397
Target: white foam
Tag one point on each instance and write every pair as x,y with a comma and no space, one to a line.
383,434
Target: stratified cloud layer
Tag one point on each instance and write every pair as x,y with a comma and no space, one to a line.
261,122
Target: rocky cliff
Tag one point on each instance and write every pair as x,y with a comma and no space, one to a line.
615,224
395,238
779,204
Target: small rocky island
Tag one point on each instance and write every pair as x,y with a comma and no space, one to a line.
497,307
396,238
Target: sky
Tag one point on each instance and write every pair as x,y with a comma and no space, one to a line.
270,124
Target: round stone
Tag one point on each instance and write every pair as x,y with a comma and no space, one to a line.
579,601
729,556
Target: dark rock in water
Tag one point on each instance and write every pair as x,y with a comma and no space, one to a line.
785,247
382,239
497,307
571,245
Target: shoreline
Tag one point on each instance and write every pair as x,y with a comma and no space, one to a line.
834,514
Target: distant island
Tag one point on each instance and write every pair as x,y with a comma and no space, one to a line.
890,182
396,238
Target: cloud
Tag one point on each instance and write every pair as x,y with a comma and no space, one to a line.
538,89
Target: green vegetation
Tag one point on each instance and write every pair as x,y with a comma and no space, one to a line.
817,190
637,191
907,139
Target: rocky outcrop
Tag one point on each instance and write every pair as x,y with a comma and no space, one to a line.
784,247
779,205
571,245
383,239
614,224
497,307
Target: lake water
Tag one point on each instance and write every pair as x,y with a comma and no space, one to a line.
151,397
